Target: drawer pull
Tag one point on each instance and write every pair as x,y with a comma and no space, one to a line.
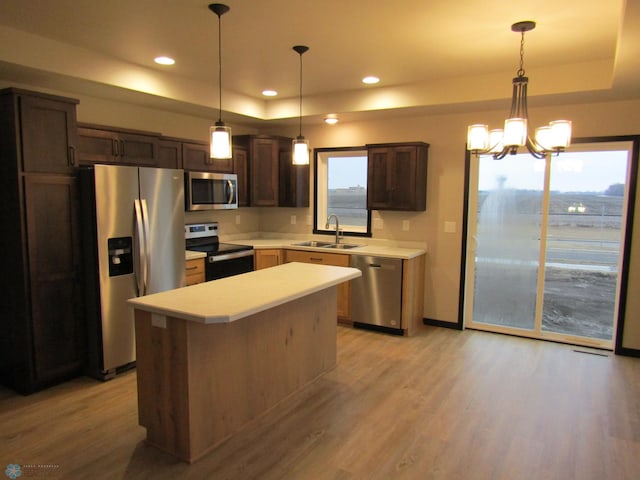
192,268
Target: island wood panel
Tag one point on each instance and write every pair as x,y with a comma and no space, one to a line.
198,384
413,294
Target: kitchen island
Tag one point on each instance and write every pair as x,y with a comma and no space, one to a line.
214,356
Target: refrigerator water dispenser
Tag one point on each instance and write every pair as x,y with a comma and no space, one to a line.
120,256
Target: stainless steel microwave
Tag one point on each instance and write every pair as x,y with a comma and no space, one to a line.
210,191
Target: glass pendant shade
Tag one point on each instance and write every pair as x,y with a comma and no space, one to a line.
220,147
515,132
495,141
477,137
543,138
560,133
300,151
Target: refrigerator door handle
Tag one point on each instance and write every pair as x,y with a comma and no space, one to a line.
147,249
141,252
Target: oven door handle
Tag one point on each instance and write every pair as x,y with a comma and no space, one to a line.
229,256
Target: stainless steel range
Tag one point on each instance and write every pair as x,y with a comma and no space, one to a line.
223,259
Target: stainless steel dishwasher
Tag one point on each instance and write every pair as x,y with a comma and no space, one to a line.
376,296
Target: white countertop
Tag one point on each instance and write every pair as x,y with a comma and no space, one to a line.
375,250
232,298
191,255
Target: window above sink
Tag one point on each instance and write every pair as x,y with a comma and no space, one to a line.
341,190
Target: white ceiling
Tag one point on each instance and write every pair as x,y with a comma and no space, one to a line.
429,54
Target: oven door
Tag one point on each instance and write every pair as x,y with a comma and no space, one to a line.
210,191
228,264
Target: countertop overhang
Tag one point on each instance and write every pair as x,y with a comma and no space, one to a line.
232,298
193,255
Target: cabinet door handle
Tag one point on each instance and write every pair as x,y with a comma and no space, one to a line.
115,148
71,154
122,148
315,259
192,268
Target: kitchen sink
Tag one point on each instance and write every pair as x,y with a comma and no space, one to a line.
313,243
343,246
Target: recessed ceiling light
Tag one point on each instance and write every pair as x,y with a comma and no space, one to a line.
370,80
269,93
331,119
164,60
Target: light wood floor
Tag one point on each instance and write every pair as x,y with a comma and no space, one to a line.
444,404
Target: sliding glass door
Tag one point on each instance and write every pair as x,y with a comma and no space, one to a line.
507,242
545,242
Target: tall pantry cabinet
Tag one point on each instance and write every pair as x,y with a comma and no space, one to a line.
41,333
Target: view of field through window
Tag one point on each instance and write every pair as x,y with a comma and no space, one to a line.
584,237
347,189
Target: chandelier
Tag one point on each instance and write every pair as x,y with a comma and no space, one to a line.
551,138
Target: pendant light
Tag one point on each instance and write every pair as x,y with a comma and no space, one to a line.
300,144
552,138
219,134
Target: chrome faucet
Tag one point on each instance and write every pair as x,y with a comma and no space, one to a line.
337,226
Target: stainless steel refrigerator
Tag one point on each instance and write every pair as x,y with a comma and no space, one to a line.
133,241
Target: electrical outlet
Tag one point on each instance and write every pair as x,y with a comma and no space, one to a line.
158,320
294,219
405,225
450,227
378,224
237,219
308,219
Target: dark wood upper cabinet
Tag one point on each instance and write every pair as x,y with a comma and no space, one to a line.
169,153
48,128
117,147
397,176
273,180
263,157
241,169
294,181
195,157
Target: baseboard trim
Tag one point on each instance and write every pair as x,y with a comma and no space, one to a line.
629,352
441,323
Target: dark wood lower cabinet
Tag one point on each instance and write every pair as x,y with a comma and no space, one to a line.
42,323
54,266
